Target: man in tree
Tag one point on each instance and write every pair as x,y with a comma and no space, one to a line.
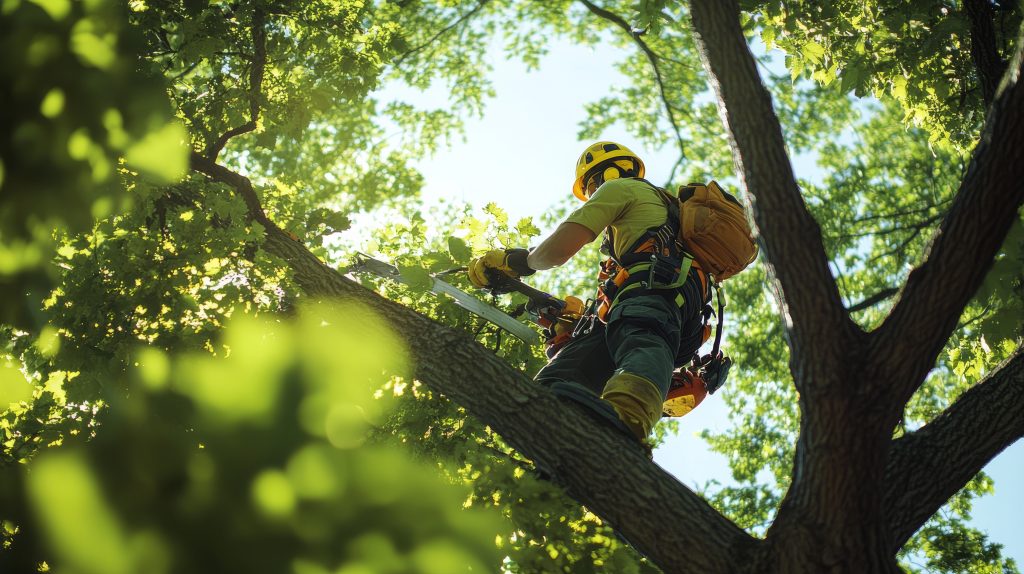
650,310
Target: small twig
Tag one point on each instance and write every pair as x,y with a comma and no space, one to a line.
480,329
895,214
874,299
497,339
652,57
186,71
401,57
675,166
985,311
524,464
917,227
903,245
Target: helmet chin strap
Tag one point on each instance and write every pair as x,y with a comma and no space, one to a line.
614,171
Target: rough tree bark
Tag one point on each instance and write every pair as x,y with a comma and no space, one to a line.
989,65
955,446
854,385
848,509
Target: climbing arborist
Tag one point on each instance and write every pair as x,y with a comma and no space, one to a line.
650,316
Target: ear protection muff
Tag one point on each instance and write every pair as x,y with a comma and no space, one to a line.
611,173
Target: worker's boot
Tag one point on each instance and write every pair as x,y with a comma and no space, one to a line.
636,400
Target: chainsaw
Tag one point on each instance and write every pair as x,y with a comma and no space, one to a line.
560,319
367,264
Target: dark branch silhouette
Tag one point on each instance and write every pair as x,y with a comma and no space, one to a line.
874,299
652,57
984,53
460,20
259,62
962,249
239,183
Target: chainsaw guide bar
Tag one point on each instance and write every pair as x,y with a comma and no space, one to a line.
367,264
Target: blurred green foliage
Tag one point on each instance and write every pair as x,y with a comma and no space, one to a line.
75,102
253,460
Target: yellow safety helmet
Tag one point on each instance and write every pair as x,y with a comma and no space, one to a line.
604,156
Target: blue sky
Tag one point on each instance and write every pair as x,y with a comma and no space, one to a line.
540,112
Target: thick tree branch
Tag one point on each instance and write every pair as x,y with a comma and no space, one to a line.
989,65
653,58
929,466
788,234
598,466
962,250
259,62
239,183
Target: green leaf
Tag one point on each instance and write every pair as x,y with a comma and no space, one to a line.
337,221
459,251
813,51
416,277
851,78
526,227
796,67
499,214
899,87
436,261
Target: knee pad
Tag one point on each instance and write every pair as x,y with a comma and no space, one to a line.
637,401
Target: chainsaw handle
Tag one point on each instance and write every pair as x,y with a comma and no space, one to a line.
502,283
539,300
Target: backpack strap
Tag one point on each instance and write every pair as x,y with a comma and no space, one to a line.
671,204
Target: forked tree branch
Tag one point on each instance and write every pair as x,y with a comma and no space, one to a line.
259,62
962,249
241,184
591,460
930,465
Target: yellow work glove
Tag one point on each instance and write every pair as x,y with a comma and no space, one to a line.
511,262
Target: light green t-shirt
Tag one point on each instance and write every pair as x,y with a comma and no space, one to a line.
628,206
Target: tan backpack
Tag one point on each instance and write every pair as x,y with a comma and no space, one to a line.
714,229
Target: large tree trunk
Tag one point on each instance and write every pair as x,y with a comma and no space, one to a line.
853,385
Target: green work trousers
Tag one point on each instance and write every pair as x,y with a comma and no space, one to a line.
641,337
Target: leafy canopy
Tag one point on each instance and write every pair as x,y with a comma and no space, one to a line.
199,403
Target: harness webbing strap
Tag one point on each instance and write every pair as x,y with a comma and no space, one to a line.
648,253
684,274
720,292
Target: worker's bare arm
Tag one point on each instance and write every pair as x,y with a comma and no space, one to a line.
560,246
